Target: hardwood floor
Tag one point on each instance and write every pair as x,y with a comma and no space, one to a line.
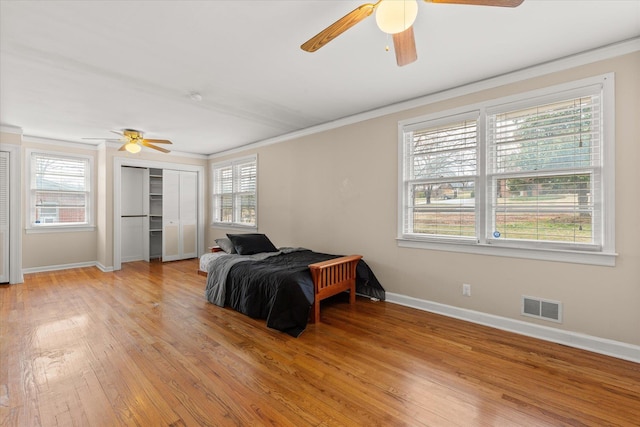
143,347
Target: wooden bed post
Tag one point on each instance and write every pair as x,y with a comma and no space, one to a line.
332,277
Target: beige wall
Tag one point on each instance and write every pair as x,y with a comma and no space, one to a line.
57,248
10,138
46,250
337,191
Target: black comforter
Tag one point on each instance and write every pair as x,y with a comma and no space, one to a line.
278,288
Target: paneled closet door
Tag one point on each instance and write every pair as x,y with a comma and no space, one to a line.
4,217
171,215
179,215
189,214
133,215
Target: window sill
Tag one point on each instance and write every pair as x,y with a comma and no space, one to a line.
577,257
234,226
60,229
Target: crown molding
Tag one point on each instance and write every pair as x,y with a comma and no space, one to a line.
60,143
560,64
11,129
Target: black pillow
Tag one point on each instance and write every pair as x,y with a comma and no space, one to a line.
251,243
226,245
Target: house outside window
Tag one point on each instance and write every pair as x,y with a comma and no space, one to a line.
528,176
59,191
235,192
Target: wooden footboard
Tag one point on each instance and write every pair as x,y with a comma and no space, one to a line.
332,277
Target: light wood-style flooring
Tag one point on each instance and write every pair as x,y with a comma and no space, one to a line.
142,347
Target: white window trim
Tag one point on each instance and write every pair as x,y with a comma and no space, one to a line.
229,225
605,257
59,228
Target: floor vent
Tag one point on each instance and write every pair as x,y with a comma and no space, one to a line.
542,309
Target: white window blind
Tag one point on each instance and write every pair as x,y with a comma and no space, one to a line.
60,190
235,192
528,175
544,172
441,172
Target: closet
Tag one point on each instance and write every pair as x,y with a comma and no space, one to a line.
155,213
159,214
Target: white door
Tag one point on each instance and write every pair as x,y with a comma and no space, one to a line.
170,215
133,214
189,214
179,215
4,217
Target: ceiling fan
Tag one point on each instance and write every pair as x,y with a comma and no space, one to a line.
394,17
134,141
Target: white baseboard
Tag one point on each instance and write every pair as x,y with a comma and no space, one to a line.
59,267
607,347
66,267
103,268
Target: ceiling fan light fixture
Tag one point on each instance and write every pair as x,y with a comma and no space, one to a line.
395,16
133,147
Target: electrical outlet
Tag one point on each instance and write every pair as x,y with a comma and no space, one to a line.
466,289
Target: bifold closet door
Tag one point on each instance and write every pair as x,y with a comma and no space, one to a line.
179,215
189,214
170,215
133,214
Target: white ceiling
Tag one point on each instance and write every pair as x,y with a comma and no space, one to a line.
74,69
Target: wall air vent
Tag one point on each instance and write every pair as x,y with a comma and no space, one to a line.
542,308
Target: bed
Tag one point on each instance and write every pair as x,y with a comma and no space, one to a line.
284,286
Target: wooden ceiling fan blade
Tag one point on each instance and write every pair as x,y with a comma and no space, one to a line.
339,27
404,44
123,147
499,3
155,147
158,141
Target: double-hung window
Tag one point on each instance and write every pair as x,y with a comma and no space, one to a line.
235,192
544,171
529,176
441,173
59,191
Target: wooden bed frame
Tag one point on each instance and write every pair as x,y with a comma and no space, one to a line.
332,277
329,278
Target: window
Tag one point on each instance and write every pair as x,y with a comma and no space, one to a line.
544,172
235,192
60,191
517,176
441,173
